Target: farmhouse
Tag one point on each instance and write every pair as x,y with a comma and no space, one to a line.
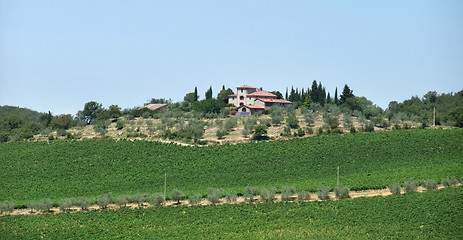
250,100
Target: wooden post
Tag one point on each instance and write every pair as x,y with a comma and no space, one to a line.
337,182
434,119
165,186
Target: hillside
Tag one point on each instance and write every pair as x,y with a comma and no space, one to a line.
61,169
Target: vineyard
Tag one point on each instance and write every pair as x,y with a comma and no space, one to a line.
56,170
433,214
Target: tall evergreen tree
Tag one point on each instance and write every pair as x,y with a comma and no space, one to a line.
346,94
196,97
286,95
209,93
328,98
314,92
336,101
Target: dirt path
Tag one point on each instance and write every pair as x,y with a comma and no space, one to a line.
313,197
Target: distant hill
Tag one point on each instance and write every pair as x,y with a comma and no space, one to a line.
25,114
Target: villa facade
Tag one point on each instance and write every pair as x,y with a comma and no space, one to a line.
250,100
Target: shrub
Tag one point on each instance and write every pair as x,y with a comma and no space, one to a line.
231,197
45,205
221,133
195,199
250,193
448,182
61,132
156,199
292,122
395,188
66,204
122,200
323,192
300,132
214,195
120,125
7,206
267,195
103,200
33,205
429,184
341,192
260,132
303,196
287,193
51,137
410,186
352,129
140,198
286,131
83,203
320,131
177,196
309,131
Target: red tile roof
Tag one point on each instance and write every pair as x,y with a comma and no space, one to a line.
246,87
254,107
233,95
262,93
274,100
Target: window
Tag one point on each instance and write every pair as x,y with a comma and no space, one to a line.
241,98
241,104
243,109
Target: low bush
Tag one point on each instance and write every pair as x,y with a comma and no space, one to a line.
267,195
214,195
45,205
287,193
429,184
231,197
122,200
83,203
177,196
303,196
103,200
342,192
195,199
140,199
448,182
7,206
66,204
250,193
410,186
156,199
323,192
395,188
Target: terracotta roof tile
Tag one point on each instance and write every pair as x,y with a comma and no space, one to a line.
262,93
254,107
274,100
246,87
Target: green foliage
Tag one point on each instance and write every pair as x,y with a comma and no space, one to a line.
260,132
346,94
61,132
300,132
292,121
195,199
395,188
156,199
7,206
122,200
287,193
410,186
83,202
223,95
103,200
140,199
120,125
63,121
250,193
430,215
177,195
323,192
208,93
276,115
303,195
90,112
208,106
342,192
429,184
267,194
231,197
65,204
214,195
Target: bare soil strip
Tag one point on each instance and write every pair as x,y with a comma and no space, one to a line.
353,194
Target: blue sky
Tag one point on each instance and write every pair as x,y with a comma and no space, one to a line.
57,55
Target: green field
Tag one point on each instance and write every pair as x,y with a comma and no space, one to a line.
435,214
35,170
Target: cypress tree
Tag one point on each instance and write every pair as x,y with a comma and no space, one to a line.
336,101
196,97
